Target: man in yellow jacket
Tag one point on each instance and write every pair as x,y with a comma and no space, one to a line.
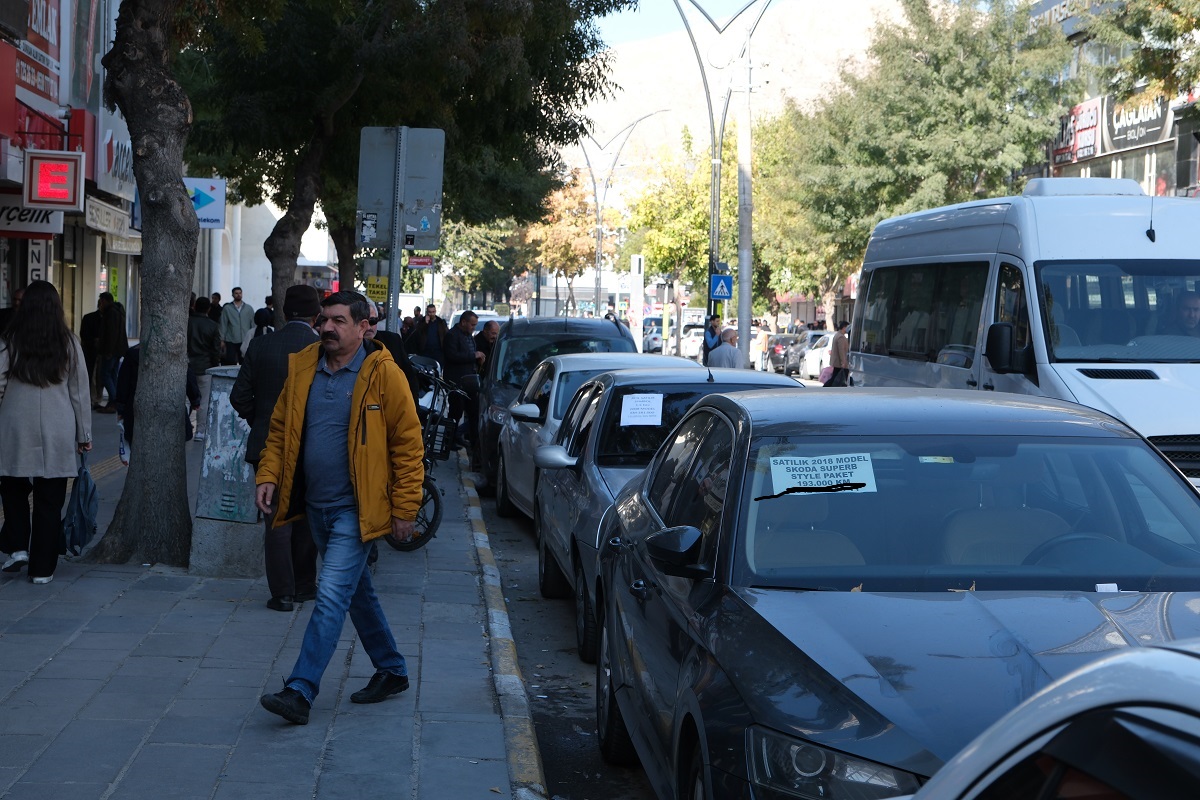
344,448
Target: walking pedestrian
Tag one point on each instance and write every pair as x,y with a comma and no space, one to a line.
485,340
462,359
839,356
114,344
45,420
345,445
726,354
290,554
712,338
204,353
6,314
237,321
89,339
214,310
264,318
429,337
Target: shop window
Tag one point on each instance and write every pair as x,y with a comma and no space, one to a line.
1164,170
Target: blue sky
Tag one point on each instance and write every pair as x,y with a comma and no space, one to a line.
656,17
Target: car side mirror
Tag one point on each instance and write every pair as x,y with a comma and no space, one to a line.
526,412
676,551
1002,354
553,456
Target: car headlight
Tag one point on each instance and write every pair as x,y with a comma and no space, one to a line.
792,767
497,414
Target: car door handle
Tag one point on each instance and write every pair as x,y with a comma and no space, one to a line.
972,382
638,589
989,387
615,543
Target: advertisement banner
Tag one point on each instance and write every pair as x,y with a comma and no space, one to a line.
1078,136
1130,125
208,196
30,223
39,58
87,37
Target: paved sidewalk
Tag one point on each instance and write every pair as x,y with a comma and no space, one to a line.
137,681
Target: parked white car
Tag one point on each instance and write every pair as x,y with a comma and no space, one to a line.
693,343
817,357
652,342
534,416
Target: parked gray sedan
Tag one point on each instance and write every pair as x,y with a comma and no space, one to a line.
614,424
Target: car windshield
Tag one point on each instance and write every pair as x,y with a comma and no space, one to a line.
638,419
966,513
1121,310
516,357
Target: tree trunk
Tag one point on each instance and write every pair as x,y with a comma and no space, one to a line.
153,521
343,242
282,246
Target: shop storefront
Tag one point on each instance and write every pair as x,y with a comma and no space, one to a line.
1102,138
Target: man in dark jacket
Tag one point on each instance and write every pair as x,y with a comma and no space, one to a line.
89,340
291,554
485,340
429,336
204,352
461,360
114,344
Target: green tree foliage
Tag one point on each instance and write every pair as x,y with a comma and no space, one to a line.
478,258
953,102
281,107
671,218
1161,43
564,240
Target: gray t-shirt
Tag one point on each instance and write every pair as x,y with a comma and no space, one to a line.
326,430
726,355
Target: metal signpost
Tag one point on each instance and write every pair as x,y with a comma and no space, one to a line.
400,196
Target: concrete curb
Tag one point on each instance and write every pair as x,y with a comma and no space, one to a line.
524,757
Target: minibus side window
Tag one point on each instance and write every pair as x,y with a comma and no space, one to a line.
1012,304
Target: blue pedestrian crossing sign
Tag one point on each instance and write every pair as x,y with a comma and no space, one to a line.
720,287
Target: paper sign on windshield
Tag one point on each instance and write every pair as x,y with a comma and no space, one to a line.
833,472
641,409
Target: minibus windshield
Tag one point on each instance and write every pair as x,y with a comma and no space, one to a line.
1121,310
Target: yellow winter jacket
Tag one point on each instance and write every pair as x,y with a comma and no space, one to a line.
385,447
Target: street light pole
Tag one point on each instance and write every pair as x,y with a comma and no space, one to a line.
599,197
717,133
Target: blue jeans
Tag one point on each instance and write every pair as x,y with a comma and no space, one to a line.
344,584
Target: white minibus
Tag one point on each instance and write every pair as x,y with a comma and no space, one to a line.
1083,289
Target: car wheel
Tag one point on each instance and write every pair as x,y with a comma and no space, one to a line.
696,787
613,736
504,506
587,635
551,581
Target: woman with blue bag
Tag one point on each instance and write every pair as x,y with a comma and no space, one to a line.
45,422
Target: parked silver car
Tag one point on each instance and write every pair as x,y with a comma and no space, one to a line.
533,418
614,424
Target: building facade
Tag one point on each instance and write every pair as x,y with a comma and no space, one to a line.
1151,142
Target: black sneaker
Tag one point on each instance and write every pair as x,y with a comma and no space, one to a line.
288,704
381,686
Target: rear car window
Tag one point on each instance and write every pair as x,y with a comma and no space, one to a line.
517,357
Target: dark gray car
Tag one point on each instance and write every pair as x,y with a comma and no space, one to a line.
608,434
829,598
523,343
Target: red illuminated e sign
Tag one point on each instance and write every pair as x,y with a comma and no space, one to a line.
53,180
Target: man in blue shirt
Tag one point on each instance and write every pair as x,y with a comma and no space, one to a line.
712,337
